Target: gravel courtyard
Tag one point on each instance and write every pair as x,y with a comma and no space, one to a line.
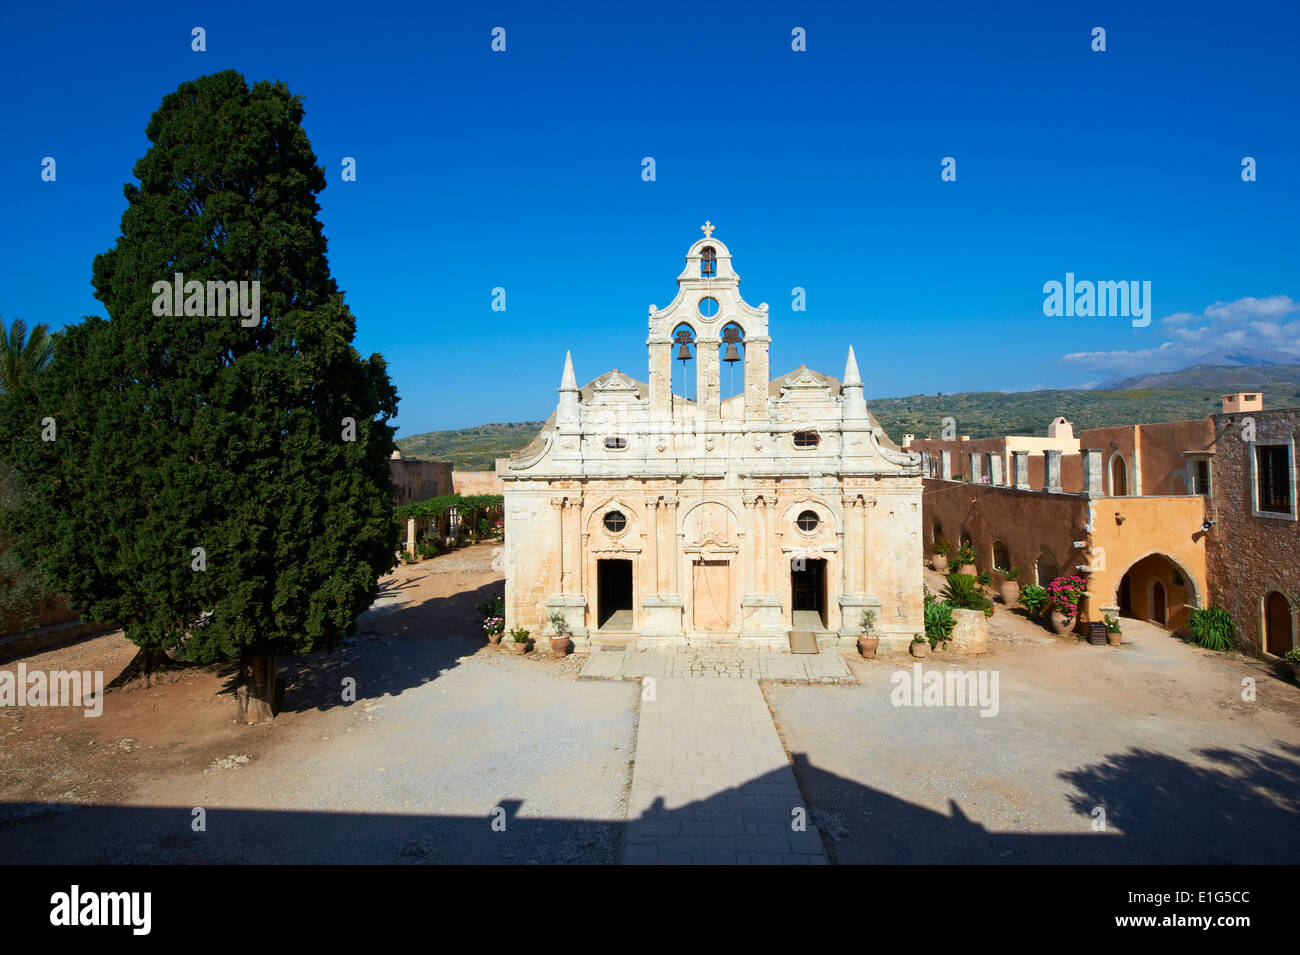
447,736
455,751
1154,734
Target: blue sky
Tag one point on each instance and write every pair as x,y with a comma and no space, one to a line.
820,169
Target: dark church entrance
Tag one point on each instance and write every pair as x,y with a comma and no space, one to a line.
808,594
614,594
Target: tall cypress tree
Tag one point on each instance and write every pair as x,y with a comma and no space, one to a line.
217,485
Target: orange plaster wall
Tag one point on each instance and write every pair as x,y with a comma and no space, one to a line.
1165,525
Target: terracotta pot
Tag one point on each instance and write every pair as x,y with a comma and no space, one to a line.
1061,624
940,563
559,645
921,648
970,569
495,637
1010,591
516,647
1114,639
868,644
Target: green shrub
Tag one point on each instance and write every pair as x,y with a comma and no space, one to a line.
963,593
942,547
1112,625
1033,598
519,635
1292,656
1213,629
939,622
559,624
965,555
1013,573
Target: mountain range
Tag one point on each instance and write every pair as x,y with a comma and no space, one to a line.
1164,396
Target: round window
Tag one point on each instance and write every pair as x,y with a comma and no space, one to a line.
808,521
615,522
708,307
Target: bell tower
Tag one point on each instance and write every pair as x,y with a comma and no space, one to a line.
709,309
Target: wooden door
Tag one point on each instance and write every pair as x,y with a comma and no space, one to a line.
1158,602
1277,624
712,596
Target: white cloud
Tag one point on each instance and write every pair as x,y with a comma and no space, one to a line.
1248,325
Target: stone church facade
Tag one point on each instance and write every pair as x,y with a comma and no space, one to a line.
646,514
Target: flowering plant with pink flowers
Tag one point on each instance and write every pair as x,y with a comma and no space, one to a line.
1063,594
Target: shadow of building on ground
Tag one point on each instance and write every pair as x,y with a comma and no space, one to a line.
1159,810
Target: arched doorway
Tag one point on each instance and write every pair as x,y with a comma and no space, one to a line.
1118,476
1046,568
1157,611
1277,624
1158,590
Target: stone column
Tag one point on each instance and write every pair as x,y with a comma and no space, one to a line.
707,379
410,534
1092,486
651,538
976,467
1052,471
995,469
748,560
851,512
945,464
557,508
674,553
1020,469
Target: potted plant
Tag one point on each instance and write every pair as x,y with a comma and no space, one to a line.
1063,595
520,641
1292,657
920,646
868,642
1009,588
939,623
1113,635
963,593
494,617
941,550
965,560
560,638
1033,598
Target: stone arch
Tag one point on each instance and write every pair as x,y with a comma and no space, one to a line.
1135,589
830,516
687,510
603,505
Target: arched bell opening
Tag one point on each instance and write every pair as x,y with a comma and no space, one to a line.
731,352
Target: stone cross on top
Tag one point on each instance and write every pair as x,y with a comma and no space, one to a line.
707,229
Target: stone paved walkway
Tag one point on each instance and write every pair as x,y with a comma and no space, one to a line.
711,783
825,667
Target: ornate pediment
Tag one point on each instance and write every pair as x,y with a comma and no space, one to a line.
804,385
615,386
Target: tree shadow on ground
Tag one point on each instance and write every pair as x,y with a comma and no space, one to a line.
395,648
